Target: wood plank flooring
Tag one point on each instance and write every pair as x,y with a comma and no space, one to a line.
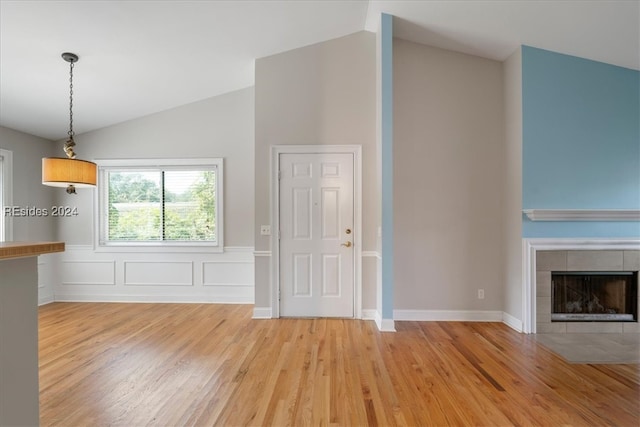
204,365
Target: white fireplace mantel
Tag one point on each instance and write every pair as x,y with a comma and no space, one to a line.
582,214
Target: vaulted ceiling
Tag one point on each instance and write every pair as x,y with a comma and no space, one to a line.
140,57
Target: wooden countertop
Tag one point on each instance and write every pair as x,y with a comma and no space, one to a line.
24,249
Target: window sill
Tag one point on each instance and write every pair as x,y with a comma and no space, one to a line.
155,248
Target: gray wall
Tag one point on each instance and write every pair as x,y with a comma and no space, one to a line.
513,185
28,151
216,127
448,179
319,94
28,191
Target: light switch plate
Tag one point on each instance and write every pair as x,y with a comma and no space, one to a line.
265,230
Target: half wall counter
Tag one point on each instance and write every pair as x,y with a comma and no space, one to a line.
19,391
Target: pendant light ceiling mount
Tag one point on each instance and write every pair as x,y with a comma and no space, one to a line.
69,172
70,57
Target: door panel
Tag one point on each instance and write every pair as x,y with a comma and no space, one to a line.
302,213
330,213
301,275
316,210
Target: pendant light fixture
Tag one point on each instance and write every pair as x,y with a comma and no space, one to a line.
68,171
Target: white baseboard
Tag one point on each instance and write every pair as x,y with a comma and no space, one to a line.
368,314
371,254
44,300
196,299
512,322
448,315
384,325
261,313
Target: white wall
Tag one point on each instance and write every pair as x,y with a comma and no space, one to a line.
448,181
222,126
28,191
512,68
319,94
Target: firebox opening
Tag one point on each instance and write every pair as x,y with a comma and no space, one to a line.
594,296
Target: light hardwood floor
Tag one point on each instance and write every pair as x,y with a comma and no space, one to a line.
204,365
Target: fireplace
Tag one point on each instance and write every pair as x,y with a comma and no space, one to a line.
600,296
574,259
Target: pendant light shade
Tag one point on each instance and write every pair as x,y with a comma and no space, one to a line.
69,172
63,172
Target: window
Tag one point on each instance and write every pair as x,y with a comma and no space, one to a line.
5,195
160,202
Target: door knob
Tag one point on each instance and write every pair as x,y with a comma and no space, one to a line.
348,244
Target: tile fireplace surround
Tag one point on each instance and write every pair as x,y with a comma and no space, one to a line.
579,260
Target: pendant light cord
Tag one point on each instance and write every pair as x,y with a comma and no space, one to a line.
70,133
68,146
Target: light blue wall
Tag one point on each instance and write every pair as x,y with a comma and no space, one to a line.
386,31
581,142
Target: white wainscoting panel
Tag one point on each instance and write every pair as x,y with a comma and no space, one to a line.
227,273
158,273
139,276
88,272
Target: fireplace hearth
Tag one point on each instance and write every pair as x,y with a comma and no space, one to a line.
583,296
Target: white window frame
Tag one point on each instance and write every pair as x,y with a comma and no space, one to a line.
106,165
6,195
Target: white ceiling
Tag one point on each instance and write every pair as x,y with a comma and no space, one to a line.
140,57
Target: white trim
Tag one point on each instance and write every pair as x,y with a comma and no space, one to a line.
356,150
261,313
155,248
7,192
448,315
158,162
528,300
369,314
225,261
371,254
512,322
44,300
582,214
532,245
555,244
384,325
262,253
241,249
178,299
68,248
176,249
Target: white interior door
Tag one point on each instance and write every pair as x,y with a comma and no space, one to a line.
316,235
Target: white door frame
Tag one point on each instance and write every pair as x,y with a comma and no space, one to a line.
276,150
